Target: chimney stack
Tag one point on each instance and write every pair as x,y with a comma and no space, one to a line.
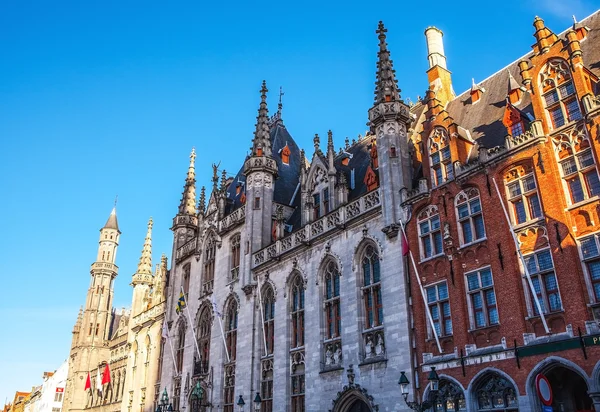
438,75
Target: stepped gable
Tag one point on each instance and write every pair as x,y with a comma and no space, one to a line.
484,119
288,174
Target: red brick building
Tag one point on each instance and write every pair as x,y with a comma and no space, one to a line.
532,129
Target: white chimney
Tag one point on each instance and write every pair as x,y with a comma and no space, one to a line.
435,47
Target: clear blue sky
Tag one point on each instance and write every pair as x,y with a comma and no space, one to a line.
106,98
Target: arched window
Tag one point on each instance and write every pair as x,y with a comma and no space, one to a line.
373,337
577,165
231,318
161,353
558,93
235,257
266,384
496,393
430,233
332,340
209,264
541,269
180,348
204,332
449,397
442,169
297,344
470,216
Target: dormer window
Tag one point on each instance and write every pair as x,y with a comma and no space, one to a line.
559,97
517,129
285,155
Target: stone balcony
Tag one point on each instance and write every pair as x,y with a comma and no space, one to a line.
336,219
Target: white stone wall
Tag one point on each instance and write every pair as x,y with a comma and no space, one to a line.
48,392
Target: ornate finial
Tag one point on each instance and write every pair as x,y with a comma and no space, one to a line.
512,82
145,264
317,143
386,86
347,143
330,140
116,198
188,200
280,105
223,179
215,178
202,201
261,145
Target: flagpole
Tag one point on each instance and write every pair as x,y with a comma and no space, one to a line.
262,313
191,324
522,259
168,339
218,314
412,259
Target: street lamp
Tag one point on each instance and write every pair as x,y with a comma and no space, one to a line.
164,401
257,402
197,396
241,403
415,405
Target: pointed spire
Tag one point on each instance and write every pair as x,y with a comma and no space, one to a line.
145,265
111,223
188,200
261,144
386,86
330,141
202,201
347,143
474,86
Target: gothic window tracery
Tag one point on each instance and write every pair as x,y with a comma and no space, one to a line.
449,397
268,303
231,322
558,93
522,193
204,332
180,349
496,393
297,344
373,334
332,340
235,257
577,165
430,232
442,169
209,264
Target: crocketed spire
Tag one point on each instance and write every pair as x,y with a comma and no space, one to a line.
145,265
188,200
202,201
386,86
261,144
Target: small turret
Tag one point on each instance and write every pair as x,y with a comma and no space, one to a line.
543,35
142,279
187,205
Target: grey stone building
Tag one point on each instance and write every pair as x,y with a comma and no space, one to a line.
293,272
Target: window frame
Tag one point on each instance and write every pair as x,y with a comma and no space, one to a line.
467,197
593,285
438,304
428,215
525,196
209,263
485,305
555,79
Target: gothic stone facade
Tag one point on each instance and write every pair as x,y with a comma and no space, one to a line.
299,264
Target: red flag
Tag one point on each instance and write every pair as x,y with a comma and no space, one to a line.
106,375
88,383
405,248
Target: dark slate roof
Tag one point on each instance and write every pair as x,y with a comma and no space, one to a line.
360,161
288,175
484,119
114,324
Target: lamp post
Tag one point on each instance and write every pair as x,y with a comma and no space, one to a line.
164,405
241,403
197,396
257,402
415,405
